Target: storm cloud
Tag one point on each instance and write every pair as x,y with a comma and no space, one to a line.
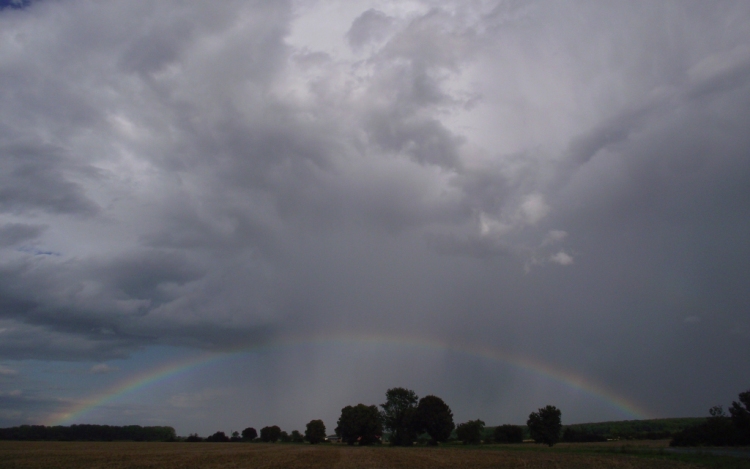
566,182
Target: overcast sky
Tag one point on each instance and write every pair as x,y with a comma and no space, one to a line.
367,194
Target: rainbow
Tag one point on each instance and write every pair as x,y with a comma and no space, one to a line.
165,371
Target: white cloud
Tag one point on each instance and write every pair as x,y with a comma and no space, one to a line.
562,258
554,236
534,208
102,368
7,371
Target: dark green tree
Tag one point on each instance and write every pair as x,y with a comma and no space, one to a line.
716,430
218,437
398,414
470,432
235,437
360,424
297,437
435,418
508,434
740,415
545,425
315,432
270,434
249,434
284,437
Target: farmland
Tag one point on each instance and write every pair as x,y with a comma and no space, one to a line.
121,455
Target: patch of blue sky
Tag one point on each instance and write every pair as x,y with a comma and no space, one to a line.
14,4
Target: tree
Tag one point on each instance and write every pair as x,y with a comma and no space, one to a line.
434,417
716,430
398,414
270,434
470,432
235,437
740,415
315,432
297,436
360,423
508,434
218,437
249,434
720,429
545,425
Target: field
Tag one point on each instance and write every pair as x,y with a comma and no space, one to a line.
121,455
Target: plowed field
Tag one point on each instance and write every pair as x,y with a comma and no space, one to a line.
121,455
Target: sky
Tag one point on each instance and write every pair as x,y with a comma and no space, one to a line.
218,215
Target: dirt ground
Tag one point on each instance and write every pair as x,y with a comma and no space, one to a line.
121,455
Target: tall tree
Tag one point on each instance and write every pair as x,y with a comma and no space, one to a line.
360,423
315,432
740,413
398,414
270,434
249,434
545,425
434,417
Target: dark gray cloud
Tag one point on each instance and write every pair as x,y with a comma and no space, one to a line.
17,408
564,182
33,178
14,233
370,26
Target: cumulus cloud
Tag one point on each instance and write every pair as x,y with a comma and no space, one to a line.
101,368
372,25
562,258
554,237
207,176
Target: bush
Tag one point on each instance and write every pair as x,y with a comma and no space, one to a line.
270,434
218,437
508,434
470,433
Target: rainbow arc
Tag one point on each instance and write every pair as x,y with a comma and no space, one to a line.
166,371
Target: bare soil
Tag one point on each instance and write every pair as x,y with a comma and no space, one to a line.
121,455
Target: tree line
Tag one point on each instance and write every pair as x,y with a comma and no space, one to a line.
408,419
720,429
86,432
405,419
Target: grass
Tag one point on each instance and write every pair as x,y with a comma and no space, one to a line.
131,455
